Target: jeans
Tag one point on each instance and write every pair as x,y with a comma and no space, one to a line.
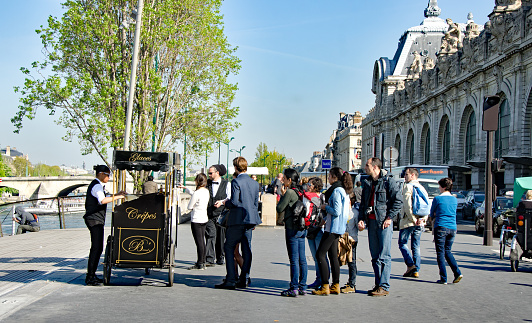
313,246
411,258
443,239
23,228
233,235
329,245
352,266
295,245
380,245
198,232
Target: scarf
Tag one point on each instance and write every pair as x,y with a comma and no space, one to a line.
329,192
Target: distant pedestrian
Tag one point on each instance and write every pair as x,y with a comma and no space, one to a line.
27,221
295,240
358,192
381,203
278,186
443,213
95,209
198,217
411,225
337,207
149,186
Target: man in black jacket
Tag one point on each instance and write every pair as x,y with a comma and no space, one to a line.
381,203
220,190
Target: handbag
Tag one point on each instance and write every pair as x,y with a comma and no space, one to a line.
222,218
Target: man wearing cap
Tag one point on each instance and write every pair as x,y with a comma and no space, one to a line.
95,209
27,221
220,190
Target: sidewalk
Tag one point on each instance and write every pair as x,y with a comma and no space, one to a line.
43,274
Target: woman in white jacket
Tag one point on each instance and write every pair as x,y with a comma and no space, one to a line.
198,217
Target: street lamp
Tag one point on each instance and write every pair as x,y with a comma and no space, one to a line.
239,151
264,163
227,175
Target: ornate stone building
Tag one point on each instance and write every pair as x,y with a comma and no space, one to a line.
429,97
345,144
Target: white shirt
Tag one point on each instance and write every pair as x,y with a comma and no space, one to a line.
216,185
98,191
198,204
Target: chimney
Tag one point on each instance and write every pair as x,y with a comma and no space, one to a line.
8,151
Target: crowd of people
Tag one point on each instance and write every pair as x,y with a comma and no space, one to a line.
224,214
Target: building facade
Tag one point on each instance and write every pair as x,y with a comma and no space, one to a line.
346,142
429,97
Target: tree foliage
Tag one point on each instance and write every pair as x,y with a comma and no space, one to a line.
182,77
5,170
274,160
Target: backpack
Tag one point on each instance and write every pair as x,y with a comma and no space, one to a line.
420,202
300,213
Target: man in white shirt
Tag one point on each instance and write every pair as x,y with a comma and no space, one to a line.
220,191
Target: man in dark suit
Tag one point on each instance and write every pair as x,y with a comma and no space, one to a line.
242,218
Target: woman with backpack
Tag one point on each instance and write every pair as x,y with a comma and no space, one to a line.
315,228
337,204
295,240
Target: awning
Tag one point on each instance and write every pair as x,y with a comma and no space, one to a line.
521,185
252,170
143,160
519,160
460,168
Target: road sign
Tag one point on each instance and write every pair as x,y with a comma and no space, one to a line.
326,164
391,153
0,180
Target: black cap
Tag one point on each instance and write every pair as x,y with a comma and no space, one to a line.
221,169
102,169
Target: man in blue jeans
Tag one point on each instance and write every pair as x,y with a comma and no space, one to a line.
381,203
411,225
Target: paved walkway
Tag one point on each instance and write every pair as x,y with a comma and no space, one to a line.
42,275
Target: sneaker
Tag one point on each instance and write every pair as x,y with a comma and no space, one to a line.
371,291
210,264
197,267
347,289
315,285
409,271
443,282
289,293
415,275
380,292
457,279
302,292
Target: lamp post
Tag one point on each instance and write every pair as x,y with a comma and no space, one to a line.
227,175
239,151
264,163
219,152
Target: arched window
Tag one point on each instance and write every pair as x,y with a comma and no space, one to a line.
426,158
502,135
446,143
471,137
398,147
410,147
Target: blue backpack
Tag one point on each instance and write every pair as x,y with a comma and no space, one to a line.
420,202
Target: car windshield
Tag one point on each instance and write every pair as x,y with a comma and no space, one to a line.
458,195
432,188
480,198
503,204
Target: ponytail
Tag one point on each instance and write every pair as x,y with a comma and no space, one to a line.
344,178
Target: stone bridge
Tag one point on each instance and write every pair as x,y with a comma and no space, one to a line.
52,186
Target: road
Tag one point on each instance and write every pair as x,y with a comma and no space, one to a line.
489,291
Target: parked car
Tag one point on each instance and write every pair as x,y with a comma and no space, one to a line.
500,206
460,199
472,201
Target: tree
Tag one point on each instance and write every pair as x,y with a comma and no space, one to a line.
21,164
182,78
4,168
275,161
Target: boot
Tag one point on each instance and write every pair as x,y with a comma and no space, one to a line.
335,289
324,290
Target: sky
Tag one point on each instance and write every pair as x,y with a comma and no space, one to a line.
303,62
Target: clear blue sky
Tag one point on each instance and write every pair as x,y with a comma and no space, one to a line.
303,62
